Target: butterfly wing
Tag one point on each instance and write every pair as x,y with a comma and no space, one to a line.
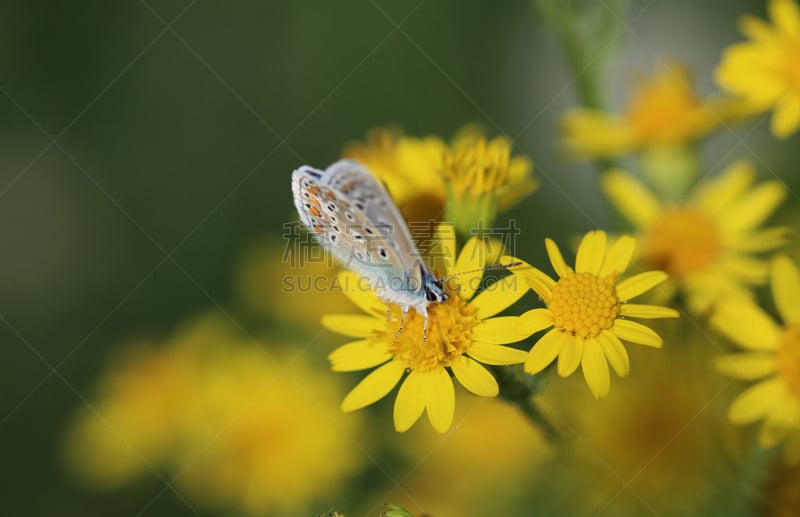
354,217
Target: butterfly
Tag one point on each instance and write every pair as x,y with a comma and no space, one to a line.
354,217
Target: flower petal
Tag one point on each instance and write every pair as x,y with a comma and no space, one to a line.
358,355
785,15
496,354
498,331
746,324
631,198
591,252
756,402
374,386
499,296
357,292
352,325
635,310
475,377
410,401
469,267
595,369
570,356
785,283
615,353
544,351
786,118
541,283
618,256
780,423
714,195
638,284
754,207
559,266
636,333
441,401
747,366
533,321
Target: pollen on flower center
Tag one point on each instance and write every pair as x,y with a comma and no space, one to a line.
584,304
788,358
450,327
683,242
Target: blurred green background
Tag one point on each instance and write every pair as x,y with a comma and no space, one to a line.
145,146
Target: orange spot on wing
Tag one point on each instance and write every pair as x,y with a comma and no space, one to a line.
317,230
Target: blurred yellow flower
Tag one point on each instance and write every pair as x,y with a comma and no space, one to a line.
657,445
275,279
765,70
663,111
587,311
461,334
707,243
131,426
772,357
491,447
482,178
238,426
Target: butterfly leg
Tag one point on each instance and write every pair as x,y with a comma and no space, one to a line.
403,320
388,312
425,329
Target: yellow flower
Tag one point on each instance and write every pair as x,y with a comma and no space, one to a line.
473,177
630,455
663,111
461,334
587,311
489,436
275,279
408,166
707,243
765,70
233,424
131,424
483,178
772,357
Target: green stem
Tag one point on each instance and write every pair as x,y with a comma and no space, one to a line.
517,387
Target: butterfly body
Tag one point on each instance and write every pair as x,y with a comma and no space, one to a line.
353,217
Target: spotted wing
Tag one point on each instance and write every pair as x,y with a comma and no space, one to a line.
354,217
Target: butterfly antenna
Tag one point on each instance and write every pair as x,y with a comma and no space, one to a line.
494,267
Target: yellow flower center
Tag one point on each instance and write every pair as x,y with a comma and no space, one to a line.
663,110
684,241
584,304
450,327
788,358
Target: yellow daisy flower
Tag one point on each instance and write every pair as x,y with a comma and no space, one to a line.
663,111
462,333
587,311
772,357
707,243
765,70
